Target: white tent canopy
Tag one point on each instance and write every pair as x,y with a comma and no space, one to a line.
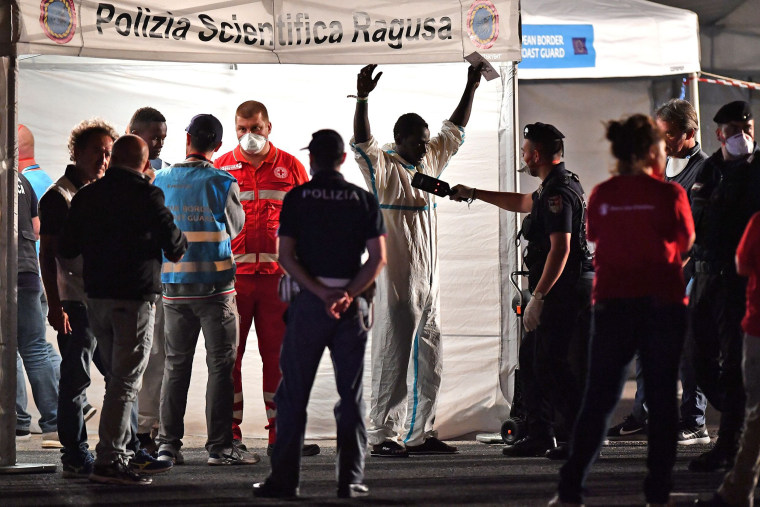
479,341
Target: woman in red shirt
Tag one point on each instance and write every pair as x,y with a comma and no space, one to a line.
641,225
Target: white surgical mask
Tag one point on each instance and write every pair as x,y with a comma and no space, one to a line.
739,145
252,143
675,166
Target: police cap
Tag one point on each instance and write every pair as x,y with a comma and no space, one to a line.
206,126
326,145
737,110
542,133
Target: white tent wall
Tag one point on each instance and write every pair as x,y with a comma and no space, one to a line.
56,93
575,108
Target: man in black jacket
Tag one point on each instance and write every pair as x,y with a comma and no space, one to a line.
120,226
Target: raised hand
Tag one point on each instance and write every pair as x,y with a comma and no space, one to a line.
365,83
473,75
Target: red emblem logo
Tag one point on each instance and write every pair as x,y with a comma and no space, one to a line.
281,172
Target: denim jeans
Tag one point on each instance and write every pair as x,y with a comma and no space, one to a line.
219,320
124,331
77,349
623,327
23,418
33,349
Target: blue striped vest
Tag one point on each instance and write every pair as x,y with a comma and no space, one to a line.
196,195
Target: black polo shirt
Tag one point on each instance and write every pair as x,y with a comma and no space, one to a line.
331,221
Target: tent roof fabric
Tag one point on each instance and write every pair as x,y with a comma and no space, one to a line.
630,37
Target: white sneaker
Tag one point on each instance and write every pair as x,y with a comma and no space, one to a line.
556,502
167,453
50,441
233,456
689,435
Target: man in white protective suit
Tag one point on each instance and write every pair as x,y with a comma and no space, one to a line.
407,314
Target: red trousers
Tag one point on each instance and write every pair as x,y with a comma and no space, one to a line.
258,303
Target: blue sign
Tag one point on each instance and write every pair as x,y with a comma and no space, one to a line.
557,46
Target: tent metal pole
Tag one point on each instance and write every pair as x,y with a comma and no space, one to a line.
508,227
9,24
8,248
694,99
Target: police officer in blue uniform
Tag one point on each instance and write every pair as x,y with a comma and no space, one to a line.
553,352
325,226
724,196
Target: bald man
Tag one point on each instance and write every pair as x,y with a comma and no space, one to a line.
121,271
32,315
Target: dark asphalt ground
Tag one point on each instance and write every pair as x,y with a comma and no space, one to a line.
479,474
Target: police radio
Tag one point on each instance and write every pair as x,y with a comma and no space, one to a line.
431,185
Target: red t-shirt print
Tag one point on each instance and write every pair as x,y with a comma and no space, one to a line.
641,225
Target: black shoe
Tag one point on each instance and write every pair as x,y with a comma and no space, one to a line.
118,473
431,445
530,447
353,491
389,449
307,450
717,458
715,501
147,443
628,428
561,452
268,490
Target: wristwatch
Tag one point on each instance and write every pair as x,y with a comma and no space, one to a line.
538,296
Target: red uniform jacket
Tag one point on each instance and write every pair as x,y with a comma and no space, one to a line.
261,192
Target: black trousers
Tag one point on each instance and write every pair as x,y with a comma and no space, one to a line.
309,330
623,327
717,305
553,359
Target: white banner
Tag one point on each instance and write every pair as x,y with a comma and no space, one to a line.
279,31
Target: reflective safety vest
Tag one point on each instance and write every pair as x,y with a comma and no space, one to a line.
262,190
197,195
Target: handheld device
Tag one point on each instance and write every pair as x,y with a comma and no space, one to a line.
431,185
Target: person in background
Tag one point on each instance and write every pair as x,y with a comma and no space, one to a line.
199,294
641,226
408,330
41,181
150,125
738,488
321,245
121,267
265,174
560,275
32,346
678,121
724,196
90,144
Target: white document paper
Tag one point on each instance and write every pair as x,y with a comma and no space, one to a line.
488,71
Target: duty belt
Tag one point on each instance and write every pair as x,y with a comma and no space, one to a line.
713,267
